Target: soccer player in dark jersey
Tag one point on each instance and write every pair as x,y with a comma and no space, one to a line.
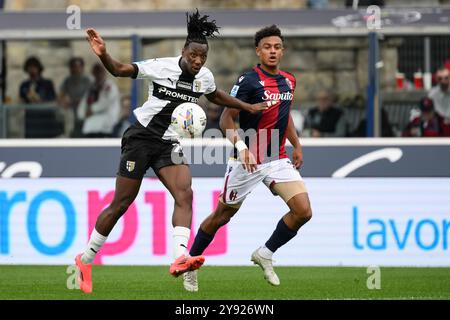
261,156
151,141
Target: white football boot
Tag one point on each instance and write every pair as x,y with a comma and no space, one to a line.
190,281
267,267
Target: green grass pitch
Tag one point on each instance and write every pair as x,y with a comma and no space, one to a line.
222,283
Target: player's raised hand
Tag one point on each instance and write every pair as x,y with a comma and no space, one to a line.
95,40
248,160
258,107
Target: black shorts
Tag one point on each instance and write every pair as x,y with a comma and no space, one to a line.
142,150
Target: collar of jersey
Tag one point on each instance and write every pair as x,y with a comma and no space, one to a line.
266,73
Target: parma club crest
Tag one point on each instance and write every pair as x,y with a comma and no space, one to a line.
197,86
130,165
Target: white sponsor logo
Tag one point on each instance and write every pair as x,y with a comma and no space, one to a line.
184,85
241,78
262,83
284,96
177,95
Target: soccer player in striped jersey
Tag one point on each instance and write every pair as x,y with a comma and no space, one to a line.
261,156
151,142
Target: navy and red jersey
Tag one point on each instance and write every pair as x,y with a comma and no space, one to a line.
435,127
269,127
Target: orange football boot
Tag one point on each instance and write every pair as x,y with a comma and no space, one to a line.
84,275
184,264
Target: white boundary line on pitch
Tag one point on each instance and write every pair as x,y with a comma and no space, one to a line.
309,142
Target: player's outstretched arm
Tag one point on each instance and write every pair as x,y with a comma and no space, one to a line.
222,98
291,135
227,124
115,67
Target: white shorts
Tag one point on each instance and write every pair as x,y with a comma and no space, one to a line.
239,182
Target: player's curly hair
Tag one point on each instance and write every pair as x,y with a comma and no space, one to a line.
199,28
269,31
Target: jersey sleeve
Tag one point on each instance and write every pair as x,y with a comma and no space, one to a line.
210,83
241,89
147,69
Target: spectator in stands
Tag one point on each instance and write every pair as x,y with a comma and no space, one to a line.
447,64
427,124
124,118
440,94
213,113
325,120
36,89
100,106
72,90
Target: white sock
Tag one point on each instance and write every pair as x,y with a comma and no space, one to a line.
265,253
180,240
95,243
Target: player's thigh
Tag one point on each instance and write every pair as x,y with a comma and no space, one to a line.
178,180
134,161
238,184
126,191
284,180
168,162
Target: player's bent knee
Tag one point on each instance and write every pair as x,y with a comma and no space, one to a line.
183,198
307,214
301,208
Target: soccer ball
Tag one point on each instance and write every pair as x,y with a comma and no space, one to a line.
188,120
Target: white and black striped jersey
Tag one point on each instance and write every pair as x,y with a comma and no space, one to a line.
169,86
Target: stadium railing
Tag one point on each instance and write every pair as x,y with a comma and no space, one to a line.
31,121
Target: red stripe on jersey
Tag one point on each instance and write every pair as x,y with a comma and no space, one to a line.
268,120
293,81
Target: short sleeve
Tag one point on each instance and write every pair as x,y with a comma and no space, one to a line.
241,89
210,83
147,69
295,83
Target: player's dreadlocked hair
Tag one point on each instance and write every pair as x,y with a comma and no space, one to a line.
272,30
199,28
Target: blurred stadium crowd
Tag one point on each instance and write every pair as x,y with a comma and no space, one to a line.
89,103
